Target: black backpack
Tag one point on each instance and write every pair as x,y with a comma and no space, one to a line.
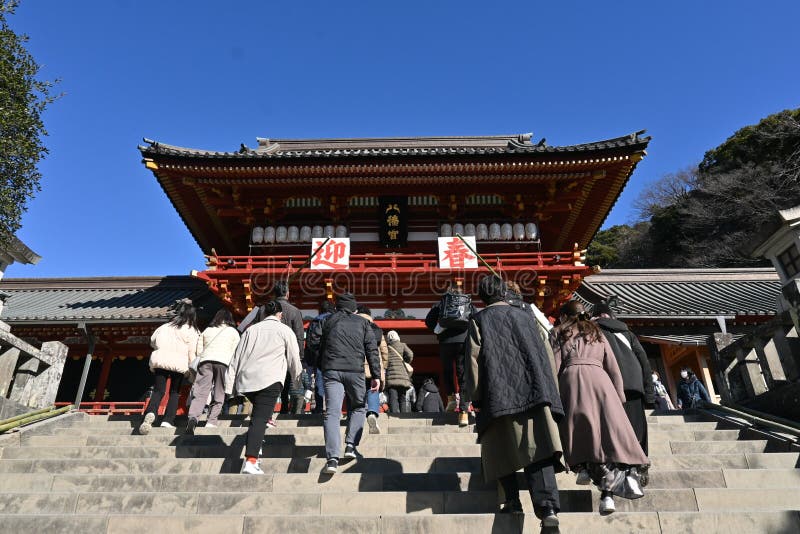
454,310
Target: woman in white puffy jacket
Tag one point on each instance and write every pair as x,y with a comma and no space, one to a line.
215,349
174,347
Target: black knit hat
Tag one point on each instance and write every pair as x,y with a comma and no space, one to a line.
600,308
346,301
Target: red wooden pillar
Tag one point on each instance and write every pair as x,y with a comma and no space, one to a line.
105,371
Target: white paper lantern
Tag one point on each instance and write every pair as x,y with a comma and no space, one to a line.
446,231
519,231
305,234
341,231
506,232
469,229
269,235
280,234
494,232
458,228
316,232
531,231
329,231
293,234
481,232
257,236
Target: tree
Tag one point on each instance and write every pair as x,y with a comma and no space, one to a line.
23,99
711,215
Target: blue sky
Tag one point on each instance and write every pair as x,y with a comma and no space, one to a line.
216,74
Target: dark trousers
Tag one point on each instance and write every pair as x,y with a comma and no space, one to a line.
634,409
541,477
263,406
452,355
287,384
160,388
398,403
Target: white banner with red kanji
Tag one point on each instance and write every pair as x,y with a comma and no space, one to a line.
335,254
454,254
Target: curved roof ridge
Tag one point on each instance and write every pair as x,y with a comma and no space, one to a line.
488,144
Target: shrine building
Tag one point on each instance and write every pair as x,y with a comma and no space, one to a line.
531,209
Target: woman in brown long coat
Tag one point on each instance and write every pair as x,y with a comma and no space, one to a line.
599,442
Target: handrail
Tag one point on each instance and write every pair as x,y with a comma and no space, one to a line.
754,416
31,417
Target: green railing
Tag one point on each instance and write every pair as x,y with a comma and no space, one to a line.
31,417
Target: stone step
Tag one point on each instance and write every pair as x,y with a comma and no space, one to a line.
282,447
253,523
101,430
420,464
365,482
381,502
317,438
659,441
761,478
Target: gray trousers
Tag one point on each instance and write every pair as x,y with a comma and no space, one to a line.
209,374
337,385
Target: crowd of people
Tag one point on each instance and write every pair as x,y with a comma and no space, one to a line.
545,399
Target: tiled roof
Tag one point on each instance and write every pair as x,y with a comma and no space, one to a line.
685,293
100,300
396,146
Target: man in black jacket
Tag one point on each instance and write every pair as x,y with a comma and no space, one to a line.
635,368
347,340
294,320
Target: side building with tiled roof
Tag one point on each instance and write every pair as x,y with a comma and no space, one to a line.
674,311
120,313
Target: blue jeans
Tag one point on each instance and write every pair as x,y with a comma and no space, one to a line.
373,400
338,385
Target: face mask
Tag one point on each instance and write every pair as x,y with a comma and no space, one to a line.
684,374
655,378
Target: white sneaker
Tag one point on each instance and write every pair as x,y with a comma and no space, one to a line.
211,425
607,505
583,478
372,421
550,519
164,424
147,424
272,423
252,468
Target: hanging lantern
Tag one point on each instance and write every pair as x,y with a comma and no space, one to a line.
458,228
506,232
305,234
257,236
531,231
329,231
316,232
469,229
446,231
494,232
280,234
481,232
269,235
519,231
341,231
293,234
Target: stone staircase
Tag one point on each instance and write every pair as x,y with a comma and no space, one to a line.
421,474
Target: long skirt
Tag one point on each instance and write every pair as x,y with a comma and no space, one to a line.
512,442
